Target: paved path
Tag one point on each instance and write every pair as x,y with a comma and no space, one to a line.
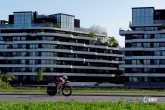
41,96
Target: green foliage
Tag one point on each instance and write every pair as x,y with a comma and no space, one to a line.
4,80
6,77
112,42
99,41
91,34
4,85
74,105
61,32
39,76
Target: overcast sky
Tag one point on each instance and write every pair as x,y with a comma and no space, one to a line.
110,14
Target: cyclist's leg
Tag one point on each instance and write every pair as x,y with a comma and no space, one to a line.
58,87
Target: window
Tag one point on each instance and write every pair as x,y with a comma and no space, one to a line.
162,35
1,46
1,38
156,45
23,61
32,46
32,53
163,53
142,15
162,44
146,62
162,61
65,21
157,13
134,79
32,61
157,53
146,45
133,61
139,45
22,19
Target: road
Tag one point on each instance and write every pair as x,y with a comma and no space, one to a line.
84,97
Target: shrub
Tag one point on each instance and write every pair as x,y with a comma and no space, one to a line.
4,80
6,77
91,34
4,85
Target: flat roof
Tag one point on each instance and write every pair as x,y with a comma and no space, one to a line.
64,14
23,12
142,7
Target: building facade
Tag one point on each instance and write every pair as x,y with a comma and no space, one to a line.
58,45
145,48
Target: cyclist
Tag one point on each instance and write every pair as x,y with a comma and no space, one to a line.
60,80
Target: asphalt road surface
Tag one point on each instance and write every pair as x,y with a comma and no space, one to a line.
84,97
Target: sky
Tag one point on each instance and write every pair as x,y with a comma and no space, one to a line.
109,14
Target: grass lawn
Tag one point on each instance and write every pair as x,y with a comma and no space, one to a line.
73,105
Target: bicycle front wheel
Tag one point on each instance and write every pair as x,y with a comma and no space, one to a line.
66,90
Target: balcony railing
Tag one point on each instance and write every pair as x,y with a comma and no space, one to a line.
154,22
86,30
159,21
31,25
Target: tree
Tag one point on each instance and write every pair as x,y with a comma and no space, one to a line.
118,78
98,41
5,79
98,29
3,85
91,34
112,42
39,76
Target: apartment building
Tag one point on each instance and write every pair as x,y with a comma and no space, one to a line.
57,44
145,48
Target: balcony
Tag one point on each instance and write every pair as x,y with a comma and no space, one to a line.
84,30
145,74
141,66
155,23
58,66
142,48
124,32
144,57
145,40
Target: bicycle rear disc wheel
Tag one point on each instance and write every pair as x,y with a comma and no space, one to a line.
51,90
